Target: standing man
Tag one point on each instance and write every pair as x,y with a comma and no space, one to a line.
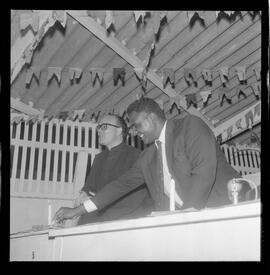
191,160
112,162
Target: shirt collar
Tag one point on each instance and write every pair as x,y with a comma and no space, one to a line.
162,133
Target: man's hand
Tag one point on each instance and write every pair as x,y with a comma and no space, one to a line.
64,213
81,199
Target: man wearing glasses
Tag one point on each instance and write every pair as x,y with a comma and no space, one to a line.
183,167
116,158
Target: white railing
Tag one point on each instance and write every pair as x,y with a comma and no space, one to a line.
44,154
245,161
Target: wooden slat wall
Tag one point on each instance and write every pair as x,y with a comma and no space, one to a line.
223,43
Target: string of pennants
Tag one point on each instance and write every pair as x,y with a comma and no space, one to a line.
247,120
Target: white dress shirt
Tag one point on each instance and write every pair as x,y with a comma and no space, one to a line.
169,183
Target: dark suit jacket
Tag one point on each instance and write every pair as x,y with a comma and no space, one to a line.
195,161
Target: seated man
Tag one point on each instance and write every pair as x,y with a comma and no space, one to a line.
112,162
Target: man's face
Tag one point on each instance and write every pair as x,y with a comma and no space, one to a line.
108,130
144,126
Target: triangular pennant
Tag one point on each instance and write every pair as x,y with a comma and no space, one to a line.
207,75
60,16
146,62
168,75
70,115
241,90
217,13
229,132
241,73
256,88
163,14
75,72
139,72
257,110
119,73
36,72
138,14
238,124
228,12
97,73
160,102
224,92
29,76
28,53
190,14
205,95
156,22
54,71
190,75
224,73
26,19
175,100
191,99
258,73
249,119
87,115
63,115
109,21
78,114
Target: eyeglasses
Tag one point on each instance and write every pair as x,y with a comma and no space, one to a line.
104,126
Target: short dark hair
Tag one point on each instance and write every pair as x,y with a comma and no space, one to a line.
121,122
148,105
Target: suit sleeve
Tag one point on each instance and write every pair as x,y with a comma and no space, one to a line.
130,180
200,146
90,182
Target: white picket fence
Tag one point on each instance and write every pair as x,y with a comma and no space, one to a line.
44,155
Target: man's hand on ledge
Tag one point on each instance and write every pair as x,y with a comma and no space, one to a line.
65,213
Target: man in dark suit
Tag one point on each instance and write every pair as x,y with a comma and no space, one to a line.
191,158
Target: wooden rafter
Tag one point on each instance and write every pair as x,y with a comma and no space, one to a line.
101,33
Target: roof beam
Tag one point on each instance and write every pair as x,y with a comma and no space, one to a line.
101,33
24,108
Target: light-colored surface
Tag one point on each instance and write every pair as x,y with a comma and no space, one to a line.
223,234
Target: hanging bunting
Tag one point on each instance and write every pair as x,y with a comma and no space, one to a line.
54,71
241,90
87,115
109,21
249,119
224,74
238,124
70,115
257,110
205,95
200,14
217,13
190,75
256,88
229,132
207,75
139,14
241,73
29,76
74,72
97,73
191,99
168,75
258,73
162,14
228,12
119,73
